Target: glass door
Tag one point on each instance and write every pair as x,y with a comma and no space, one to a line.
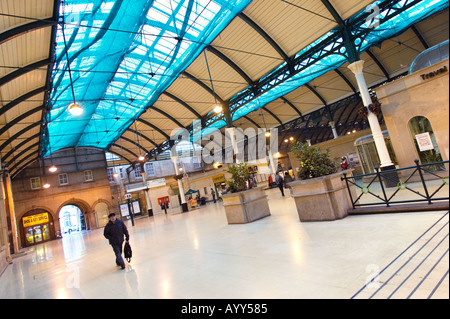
29,235
37,234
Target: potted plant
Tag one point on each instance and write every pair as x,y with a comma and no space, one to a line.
319,192
243,205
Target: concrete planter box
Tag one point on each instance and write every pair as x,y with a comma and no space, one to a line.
321,199
247,206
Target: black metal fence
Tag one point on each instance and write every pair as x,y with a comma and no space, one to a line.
426,183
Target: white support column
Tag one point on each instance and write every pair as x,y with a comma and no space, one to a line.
147,196
180,184
272,165
357,69
333,129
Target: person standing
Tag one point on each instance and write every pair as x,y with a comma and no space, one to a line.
280,182
344,163
213,193
115,230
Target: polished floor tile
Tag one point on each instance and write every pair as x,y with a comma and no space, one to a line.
198,255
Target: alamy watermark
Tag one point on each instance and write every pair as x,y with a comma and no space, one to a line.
373,20
73,279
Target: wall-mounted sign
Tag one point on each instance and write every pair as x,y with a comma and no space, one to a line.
434,73
218,178
424,141
125,211
156,183
35,220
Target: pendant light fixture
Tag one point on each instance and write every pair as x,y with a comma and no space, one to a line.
74,108
217,107
52,168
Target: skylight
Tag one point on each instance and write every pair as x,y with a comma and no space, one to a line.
123,55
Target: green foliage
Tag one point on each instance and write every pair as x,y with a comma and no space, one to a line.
313,162
239,175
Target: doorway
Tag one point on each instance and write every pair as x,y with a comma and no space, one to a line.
37,234
71,220
36,227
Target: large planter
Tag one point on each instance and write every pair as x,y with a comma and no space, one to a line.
321,199
247,206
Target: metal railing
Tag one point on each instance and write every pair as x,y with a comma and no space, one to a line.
415,184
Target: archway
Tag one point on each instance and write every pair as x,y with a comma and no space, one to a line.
71,220
425,142
101,213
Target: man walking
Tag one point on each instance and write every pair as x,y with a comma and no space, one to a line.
114,231
280,182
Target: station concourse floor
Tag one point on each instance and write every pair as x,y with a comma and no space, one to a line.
197,255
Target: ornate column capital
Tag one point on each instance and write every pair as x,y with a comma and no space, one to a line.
357,67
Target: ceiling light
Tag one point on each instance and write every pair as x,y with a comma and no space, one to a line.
75,109
52,169
116,175
218,109
141,158
267,134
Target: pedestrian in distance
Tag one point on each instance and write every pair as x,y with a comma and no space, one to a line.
115,231
213,193
280,182
344,163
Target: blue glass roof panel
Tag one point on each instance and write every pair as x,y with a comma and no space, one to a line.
126,51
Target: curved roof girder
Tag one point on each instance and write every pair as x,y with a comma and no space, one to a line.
19,30
265,35
16,157
23,166
378,63
133,142
154,127
18,146
233,65
142,135
15,136
125,149
21,99
187,106
20,118
23,70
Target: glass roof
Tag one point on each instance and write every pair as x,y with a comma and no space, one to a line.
123,55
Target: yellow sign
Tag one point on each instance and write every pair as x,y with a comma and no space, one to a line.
35,220
218,179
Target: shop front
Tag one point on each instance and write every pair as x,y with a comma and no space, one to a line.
36,227
219,185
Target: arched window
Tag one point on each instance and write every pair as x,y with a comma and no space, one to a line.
425,142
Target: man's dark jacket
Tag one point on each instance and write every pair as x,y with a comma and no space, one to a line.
114,232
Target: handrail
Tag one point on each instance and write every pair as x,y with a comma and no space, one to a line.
390,177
